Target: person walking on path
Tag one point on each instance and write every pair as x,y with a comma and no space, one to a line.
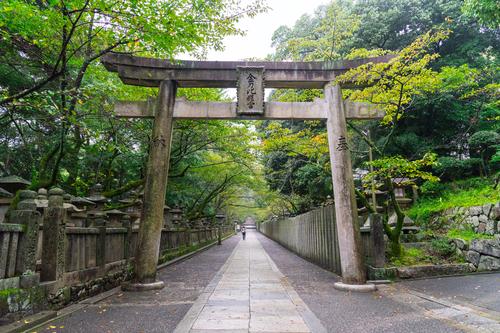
243,232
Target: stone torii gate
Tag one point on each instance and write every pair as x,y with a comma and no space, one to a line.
250,78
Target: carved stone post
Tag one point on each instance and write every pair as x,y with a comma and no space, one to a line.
100,251
27,215
54,237
148,242
128,236
346,215
377,236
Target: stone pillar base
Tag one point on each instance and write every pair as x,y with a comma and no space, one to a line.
136,286
360,288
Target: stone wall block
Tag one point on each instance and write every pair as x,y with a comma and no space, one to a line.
491,227
473,257
476,210
487,209
495,212
461,244
475,221
489,247
488,263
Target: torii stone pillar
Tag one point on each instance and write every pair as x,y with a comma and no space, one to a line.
346,215
148,242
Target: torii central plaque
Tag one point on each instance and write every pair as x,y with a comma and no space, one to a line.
250,91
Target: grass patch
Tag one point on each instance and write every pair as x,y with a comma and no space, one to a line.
467,235
411,257
464,193
439,251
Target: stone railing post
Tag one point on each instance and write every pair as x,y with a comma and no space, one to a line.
26,215
377,238
128,236
100,252
54,237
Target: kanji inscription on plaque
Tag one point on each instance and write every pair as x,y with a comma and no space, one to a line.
250,91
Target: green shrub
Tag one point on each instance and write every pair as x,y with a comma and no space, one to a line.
464,193
442,247
432,189
450,168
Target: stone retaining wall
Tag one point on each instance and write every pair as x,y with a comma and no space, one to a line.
484,254
482,219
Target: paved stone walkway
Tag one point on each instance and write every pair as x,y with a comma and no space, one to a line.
257,285
249,295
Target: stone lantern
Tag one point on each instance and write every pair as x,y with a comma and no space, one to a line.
134,205
96,215
114,217
97,197
167,218
82,203
219,219
176,216
400,186
5,200
13,184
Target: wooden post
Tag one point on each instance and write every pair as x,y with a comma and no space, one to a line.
148,242
349,238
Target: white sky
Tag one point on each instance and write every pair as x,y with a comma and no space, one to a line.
257,41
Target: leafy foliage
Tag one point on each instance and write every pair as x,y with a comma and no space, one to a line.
398,167
486,11
464,193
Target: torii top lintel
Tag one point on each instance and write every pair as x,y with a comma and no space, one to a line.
149,72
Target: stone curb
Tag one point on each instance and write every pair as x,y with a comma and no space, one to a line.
66,311
445,276
29,322
359,288
157,285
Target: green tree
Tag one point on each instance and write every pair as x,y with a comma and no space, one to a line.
53,85
487,143
486,11
387,169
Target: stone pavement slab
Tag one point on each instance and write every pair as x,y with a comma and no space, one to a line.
250,296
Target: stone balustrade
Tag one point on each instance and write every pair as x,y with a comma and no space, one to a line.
73,244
